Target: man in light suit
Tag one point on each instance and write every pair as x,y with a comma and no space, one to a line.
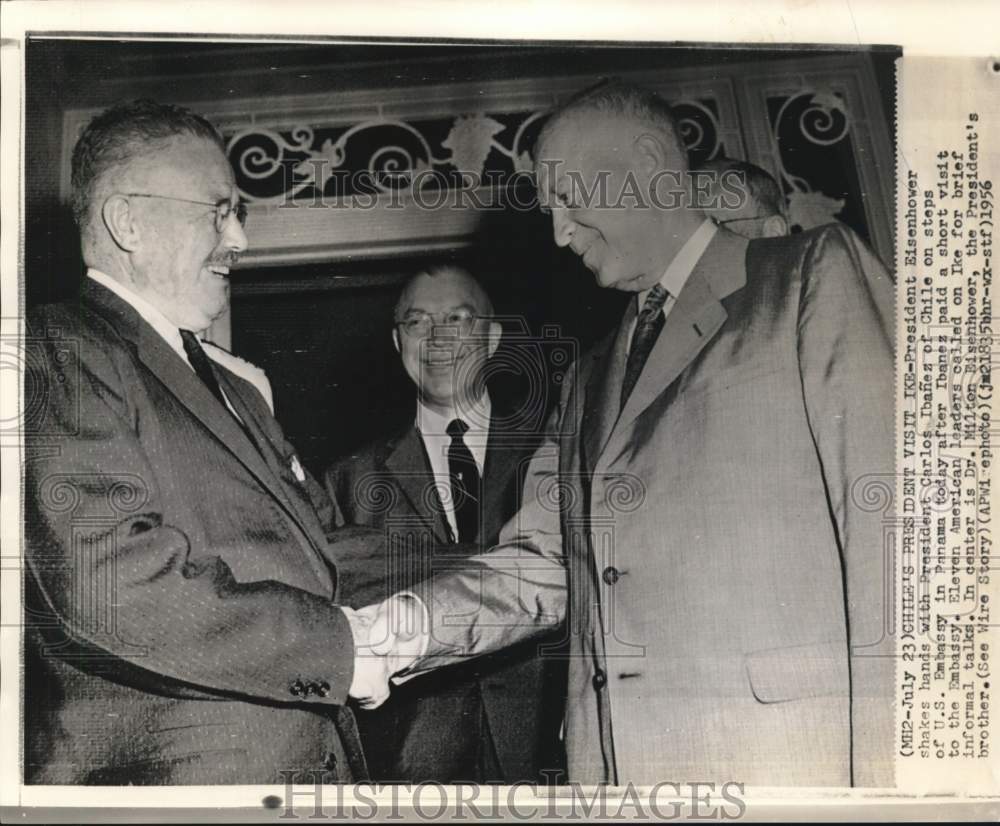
181,617
712,460
495,719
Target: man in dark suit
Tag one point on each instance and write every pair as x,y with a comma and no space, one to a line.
181,617
452,476
722,461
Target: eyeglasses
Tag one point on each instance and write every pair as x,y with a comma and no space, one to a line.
420,325
223,209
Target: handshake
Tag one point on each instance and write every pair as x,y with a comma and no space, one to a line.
388,638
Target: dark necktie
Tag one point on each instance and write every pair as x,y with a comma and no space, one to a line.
647,329
202,366
464,482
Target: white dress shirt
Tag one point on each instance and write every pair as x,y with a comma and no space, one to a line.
679,270
433,428
167,330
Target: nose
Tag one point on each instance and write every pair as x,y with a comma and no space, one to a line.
443,334
562,226
234,238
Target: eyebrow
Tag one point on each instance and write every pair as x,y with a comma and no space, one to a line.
552,191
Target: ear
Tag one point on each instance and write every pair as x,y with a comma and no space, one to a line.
649,152
120,223
496,330
395,338
774,227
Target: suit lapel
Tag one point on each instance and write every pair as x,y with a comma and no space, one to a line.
502,456
190,391
604,387
694,319
263,445
408,463
298,507
175,374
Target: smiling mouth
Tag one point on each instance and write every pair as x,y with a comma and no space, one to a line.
443,359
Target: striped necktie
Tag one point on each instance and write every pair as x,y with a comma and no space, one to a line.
647,330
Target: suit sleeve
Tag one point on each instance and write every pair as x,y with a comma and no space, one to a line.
845,335
514,591
118,582
334,484
364,571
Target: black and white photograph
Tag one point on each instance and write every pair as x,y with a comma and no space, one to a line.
407,413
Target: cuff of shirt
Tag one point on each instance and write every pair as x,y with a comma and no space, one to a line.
425,635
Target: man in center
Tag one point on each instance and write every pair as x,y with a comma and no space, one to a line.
450,479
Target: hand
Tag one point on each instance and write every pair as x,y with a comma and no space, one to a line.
397,630
370,685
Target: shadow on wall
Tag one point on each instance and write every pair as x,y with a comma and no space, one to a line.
53,266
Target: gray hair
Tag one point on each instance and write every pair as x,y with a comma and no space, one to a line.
119,135
626,100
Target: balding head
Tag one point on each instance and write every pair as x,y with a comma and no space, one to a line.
623,102
612,170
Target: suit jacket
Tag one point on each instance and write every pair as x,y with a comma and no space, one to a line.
182,624
721,540
510,704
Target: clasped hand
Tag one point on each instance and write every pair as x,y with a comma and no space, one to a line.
388,639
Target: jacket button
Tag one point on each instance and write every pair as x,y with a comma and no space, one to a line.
310,689
611,575
599,680
330,763
297,689
323,689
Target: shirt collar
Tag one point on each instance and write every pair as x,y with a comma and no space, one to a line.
167,330
680,268
477,417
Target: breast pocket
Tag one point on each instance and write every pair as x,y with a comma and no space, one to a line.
707,384
798,672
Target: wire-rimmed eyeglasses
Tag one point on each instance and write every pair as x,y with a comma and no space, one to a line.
223,209
420,325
